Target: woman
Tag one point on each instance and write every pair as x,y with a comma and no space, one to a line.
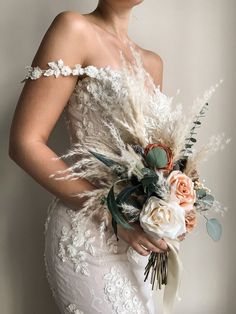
84,276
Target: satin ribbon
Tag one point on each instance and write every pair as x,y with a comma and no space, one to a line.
175,269
171,290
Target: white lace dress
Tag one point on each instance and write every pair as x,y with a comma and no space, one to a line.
86,275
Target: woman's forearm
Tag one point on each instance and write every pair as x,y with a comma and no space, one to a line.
36,158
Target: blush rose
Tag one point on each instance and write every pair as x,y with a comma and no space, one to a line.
182,189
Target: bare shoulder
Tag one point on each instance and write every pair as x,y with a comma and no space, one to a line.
72,25
153,60
153,63
66,38
71,20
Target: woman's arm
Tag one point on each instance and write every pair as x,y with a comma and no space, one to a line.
41,103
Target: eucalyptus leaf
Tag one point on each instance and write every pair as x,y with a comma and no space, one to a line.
214,229
208,199
200,193
188,151
157,158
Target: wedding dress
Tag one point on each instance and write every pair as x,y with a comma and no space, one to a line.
89,273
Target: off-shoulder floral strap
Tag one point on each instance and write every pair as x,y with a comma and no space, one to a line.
57,68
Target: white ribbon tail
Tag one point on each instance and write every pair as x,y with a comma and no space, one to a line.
174,273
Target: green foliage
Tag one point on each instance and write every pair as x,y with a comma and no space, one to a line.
118,169
190,140
214,229
208,200
157,158
204,200
180,164
149,180
148,171
124,195
200,193
117,216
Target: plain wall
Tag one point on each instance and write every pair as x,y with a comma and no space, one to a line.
196,40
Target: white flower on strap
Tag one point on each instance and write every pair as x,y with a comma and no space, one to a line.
73,309
56,68
34,73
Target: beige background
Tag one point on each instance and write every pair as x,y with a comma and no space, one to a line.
196,40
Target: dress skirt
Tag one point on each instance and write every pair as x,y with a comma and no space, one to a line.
88,274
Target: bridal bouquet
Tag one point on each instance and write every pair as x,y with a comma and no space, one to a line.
146,168
161,190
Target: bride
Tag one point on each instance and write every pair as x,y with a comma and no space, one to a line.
77,67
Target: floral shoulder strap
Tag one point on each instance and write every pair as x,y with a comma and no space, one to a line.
56,68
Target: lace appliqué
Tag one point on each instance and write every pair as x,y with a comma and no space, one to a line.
120,292
112,244
58,68
73,309
75,244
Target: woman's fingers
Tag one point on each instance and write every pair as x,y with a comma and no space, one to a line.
140,241
138,248
150,246
160,243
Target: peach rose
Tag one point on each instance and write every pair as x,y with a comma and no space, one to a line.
190,220
182,189
169,165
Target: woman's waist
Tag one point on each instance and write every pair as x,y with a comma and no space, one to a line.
63,216
81,232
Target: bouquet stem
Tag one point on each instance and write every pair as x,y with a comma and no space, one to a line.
157,263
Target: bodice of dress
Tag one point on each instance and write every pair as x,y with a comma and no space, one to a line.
101,96
97,96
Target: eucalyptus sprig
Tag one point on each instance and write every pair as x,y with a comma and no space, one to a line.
190,140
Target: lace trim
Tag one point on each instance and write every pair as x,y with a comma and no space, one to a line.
58,68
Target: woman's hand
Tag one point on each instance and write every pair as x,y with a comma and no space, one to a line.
136,238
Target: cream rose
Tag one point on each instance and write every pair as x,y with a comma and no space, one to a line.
182,189
161,219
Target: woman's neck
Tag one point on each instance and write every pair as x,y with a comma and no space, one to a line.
113,18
